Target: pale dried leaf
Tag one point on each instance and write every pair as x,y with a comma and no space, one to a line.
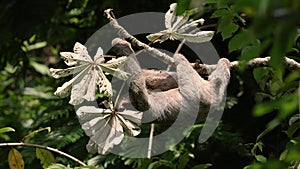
159,37
106,133
199,37
179,27
87,113
66,88
91,91
181,20
115,63
131,128
106,128
191,26
58,73
170,16
83,85
116,72
103,83
69,58
99,57
80,87
82,51
133,116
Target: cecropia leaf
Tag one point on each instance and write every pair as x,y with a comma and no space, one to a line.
179,27
106,127
82,51
131,128
66,88
159,37
87,73
170,16
58,73
199,37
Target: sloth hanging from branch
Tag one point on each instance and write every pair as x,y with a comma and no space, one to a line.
158,94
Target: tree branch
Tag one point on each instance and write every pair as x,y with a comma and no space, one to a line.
200,68
289,63
135,42
46,148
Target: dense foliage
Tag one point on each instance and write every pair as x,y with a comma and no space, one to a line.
259,128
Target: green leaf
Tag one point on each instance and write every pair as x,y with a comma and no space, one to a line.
261,158
58,166
15,159
261,109
160,163
260,146
294,119
43,69
261,76
275,87
35,132
283,155
250,52
45,156
194,127
288,104
38,45
293,153
270,126
183,160
227,27
241,40
260,73
257,145
201,166
222,4
293,76
220,13
6,129
182,5
38,93
293,129
32,38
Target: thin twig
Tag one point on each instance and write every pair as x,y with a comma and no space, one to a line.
179,46
46,148
118,96
150,140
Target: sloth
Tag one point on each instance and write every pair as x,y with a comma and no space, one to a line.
161,94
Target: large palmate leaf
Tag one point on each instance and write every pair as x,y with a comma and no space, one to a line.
179,27
88,74
105,127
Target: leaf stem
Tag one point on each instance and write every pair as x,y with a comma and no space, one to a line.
118,96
